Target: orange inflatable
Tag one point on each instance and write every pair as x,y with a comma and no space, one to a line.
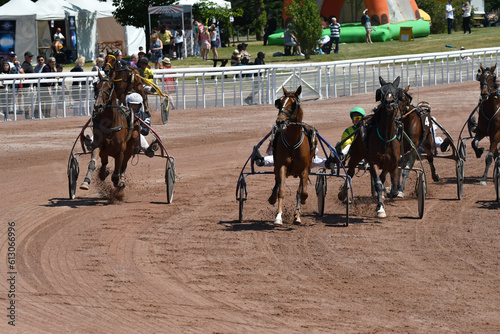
378,9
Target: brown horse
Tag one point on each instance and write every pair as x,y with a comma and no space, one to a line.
126,79
115,134
417,123
489,116
378,142
293,149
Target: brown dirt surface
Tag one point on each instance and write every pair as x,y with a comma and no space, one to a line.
91,265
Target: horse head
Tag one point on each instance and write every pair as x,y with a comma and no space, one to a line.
289,109
406,99
105,92
111,62
389,94
487,80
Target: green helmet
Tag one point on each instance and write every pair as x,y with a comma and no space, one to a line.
357,110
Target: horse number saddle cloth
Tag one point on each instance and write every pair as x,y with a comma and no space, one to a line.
424,111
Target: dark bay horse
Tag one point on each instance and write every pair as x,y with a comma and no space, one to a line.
293,149
126,79
417,123
378,142
489,116
115,134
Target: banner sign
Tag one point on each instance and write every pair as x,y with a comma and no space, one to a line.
7,36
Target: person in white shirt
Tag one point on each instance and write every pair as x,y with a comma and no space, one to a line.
449,16
60,35
466,9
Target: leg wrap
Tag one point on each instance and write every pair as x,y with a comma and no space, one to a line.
92,165
379,186
489,158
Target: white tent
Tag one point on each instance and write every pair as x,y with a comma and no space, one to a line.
94,22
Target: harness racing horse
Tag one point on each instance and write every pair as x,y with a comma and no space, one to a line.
115,134
489,116
294,145
417,124
126,79
378,142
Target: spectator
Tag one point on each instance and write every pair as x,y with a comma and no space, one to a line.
156,50
134,59
99,64
449,15
213,40
260,58
196,37
26,66
4,105
169,81
466,9
324,24
46,88
179,41
270,27
11,61
486,19
246,58
56,47
236,57
291,41
166,39
335,34
147,74
205,43
324,45
368,26
59,35
40,64
75,91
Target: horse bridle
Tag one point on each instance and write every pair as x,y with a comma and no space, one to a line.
484,81
284,110
100,92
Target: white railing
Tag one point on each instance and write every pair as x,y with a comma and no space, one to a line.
244,85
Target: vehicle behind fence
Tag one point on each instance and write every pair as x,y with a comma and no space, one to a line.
35,96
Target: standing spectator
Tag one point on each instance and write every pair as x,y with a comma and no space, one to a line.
270,27
196,38
324,24
40,64
368,26
179,41
11,60
449,15
156,50
466,9
59,35
166,39
26,66
205,43
4,102
290,40
46,88
213,40
169,81
260,58
335,34
99,64
75,89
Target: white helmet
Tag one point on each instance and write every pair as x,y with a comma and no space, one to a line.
134,98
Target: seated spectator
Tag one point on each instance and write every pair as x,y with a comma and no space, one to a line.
291,41
323,43
235,58
260,58
245,56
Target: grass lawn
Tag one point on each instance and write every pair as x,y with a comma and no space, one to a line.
480,38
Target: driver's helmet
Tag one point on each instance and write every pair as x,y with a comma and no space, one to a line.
134,98
358,111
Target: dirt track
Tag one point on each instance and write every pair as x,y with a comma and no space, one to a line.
140,265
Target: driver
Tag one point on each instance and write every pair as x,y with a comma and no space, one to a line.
356,114
134,102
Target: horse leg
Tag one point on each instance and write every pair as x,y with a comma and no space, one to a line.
379,188
394,184
301,196
281,195
90,170
103,172
406,165
475,145
430,149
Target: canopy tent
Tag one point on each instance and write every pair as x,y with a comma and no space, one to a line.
93,20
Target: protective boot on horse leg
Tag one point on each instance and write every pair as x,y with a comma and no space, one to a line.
90,170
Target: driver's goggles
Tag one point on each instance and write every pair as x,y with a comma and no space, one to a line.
357,118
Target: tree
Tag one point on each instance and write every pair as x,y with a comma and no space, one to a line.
135,13
306,24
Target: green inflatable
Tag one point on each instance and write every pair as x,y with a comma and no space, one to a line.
355,33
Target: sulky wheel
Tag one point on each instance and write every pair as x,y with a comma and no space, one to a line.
421,191
170,179
241,197
348,200
73,171
496,177
321,193
460,177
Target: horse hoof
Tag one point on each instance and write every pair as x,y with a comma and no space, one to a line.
84,186
436,178
278,221
381,214
479,152
342,195
297,221
483,183
401,194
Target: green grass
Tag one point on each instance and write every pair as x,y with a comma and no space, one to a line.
480,38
